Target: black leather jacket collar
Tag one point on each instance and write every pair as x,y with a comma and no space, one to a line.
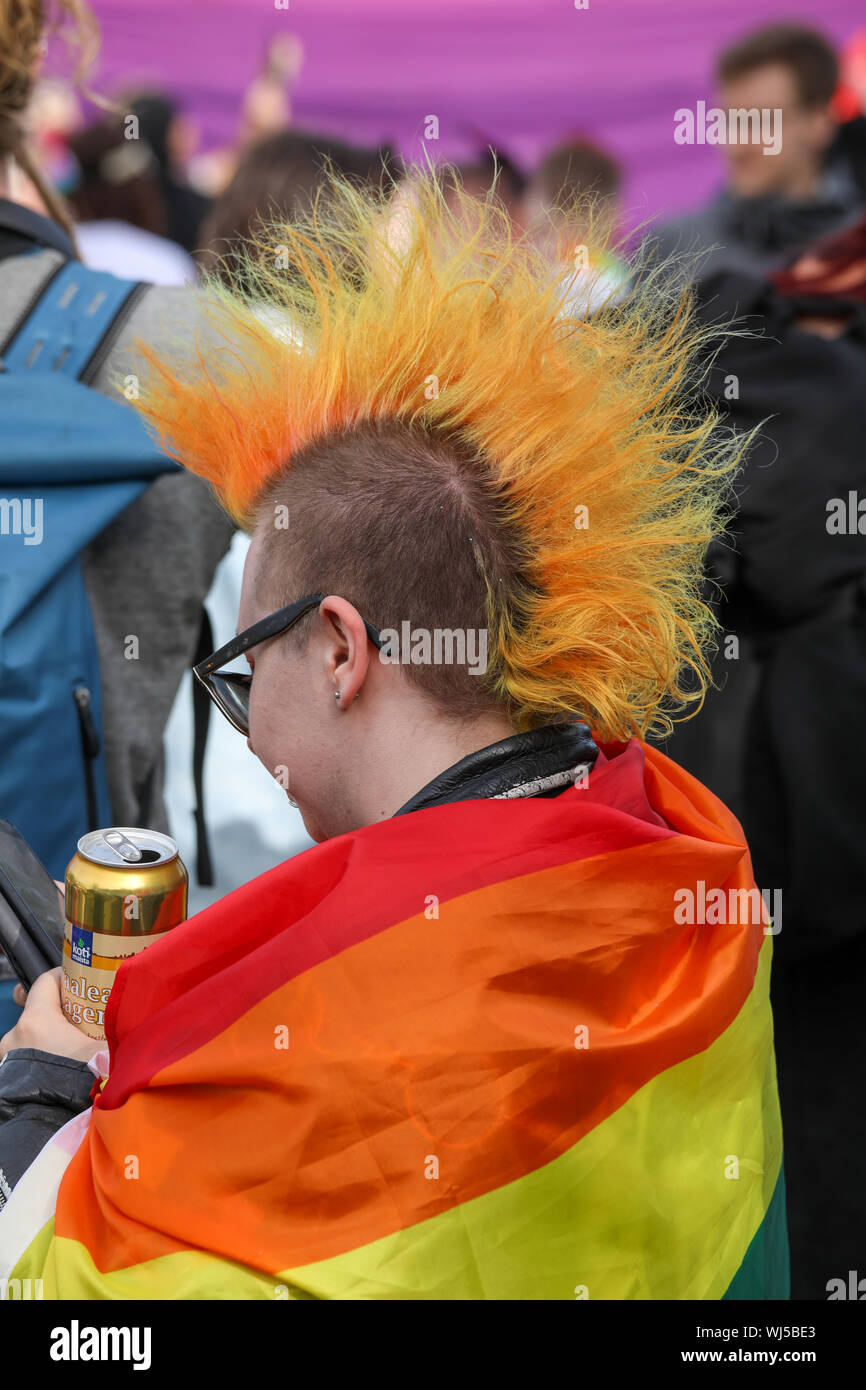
539,763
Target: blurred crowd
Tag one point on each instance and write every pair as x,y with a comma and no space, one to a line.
780,253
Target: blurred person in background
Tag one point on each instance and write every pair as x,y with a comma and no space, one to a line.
849,146
267,105
575,185
55,113
777,203
266,109
278,178
171,138
575,167
783,735
120,209
150,568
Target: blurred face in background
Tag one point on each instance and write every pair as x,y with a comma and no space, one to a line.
183,138
806,133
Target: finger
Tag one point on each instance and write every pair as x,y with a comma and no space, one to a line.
19,994
45,990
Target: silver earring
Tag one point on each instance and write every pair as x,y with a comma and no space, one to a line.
336,694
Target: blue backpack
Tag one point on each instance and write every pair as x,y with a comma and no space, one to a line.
71,460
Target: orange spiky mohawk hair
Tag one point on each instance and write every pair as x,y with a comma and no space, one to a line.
429,314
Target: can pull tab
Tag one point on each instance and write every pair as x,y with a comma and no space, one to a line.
123,847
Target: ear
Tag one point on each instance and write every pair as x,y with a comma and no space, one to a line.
349,648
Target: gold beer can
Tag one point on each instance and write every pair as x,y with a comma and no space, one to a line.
125,888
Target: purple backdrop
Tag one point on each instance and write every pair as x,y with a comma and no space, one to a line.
521,72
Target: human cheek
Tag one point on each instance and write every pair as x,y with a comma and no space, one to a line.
261,734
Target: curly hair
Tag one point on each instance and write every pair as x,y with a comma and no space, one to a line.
605,472
25,27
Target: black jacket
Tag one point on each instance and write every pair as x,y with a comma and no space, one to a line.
782,740
40,1092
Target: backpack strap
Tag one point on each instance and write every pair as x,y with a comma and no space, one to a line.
27,231
73,323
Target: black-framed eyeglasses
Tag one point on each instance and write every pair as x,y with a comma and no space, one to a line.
230,690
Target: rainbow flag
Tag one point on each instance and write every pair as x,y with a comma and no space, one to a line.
473,1052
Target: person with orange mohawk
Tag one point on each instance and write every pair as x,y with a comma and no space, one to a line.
504,1031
